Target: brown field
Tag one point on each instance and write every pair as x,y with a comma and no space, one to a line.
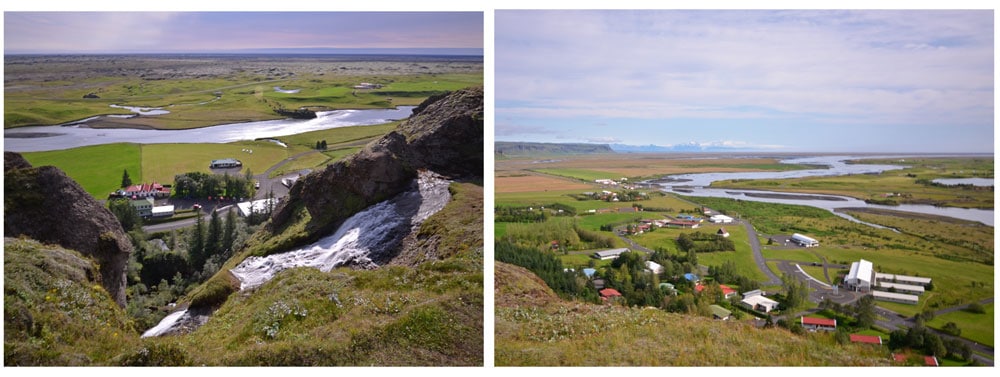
640,165
532,183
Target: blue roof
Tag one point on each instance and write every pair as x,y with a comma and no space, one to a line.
589,272
691,277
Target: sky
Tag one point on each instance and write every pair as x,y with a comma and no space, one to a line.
166,32
769,80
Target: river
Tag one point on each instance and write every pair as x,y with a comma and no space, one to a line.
78,134
697,185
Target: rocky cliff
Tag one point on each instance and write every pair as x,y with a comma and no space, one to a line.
44,204
445,136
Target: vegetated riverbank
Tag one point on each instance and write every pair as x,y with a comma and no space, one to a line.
905,215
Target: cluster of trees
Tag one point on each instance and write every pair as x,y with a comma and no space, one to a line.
627,274
215,242
205,185
726,274
321,145
550,269
518,215
919,337
796,292
704,243
126,214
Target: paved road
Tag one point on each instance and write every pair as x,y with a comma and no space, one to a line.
758,256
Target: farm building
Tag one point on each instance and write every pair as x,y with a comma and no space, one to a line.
721,219
722,232
719,312
654,267
727,292
257,206
683,224
163,211
867,339
759,303
860,276
804,241
813,323
901,288
903,279
225,163
609,254
896,297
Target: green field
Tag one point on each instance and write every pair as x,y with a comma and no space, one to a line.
975,327
98,169
743,256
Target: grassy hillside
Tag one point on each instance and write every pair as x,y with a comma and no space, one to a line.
534,327
55,313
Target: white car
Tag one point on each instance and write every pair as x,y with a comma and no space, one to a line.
256,184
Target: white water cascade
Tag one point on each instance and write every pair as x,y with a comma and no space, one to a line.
373,231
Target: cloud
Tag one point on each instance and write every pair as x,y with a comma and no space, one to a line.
867,66
603,139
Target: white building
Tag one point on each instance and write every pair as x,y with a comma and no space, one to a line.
759,303
896,297
861,276
721,219
901,288
903,279
163,211
610,254
804,241
656,268
258,206
143,206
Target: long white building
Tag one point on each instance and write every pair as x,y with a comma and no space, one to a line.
861,277
804,241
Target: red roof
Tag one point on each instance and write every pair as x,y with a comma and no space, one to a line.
871,339
698,288
726,291
819,321
930,361
900,358
610,292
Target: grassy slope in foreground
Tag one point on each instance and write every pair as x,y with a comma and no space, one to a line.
53,313
534,327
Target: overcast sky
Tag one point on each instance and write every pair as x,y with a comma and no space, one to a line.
857,81
104,32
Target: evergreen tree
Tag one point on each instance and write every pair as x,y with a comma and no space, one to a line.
865,311
196,245
229,233
126,181
213,242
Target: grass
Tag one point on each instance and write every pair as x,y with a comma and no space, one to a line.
54,314
875,187
533,328
975,327
98,169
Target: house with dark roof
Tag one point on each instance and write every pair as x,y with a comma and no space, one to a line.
722,232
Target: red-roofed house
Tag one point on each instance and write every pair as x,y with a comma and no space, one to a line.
869,339
930,361
610,294
812,323
900,358
698,287
145,190
726,291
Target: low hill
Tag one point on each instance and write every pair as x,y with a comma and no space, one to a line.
534,327
524,149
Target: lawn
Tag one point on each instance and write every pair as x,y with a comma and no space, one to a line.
975,327
743,256
98,169
162,162
796,254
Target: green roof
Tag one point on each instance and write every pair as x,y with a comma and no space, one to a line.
719,311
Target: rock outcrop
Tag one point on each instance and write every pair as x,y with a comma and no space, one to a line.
44,204
445,137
